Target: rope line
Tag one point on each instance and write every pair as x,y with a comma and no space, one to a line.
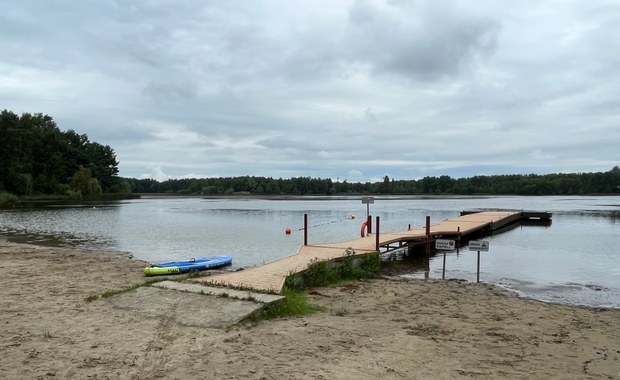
348,217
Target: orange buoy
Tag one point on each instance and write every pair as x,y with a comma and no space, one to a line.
363,230
287,231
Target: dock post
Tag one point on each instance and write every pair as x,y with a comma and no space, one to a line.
478,270
428,236
443,271
377,240
369,224
305,229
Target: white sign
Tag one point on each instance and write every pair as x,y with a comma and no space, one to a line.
367,200
479,245
446,245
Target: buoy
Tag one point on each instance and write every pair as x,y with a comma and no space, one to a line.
363,230
287,231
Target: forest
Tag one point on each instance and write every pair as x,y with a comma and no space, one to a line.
515,184
38,159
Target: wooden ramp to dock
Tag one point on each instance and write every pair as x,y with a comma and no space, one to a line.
271,276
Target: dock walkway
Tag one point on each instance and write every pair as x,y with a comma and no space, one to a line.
271,276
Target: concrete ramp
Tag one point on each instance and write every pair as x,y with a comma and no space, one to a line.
188,306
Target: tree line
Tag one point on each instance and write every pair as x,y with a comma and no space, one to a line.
515,184
37,158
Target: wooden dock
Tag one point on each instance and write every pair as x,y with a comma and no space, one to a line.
271,276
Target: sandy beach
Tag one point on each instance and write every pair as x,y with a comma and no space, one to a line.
377,329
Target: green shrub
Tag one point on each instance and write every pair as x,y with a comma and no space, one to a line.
8,200
74,195
323,273
294,304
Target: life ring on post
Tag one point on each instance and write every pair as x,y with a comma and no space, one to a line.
364,227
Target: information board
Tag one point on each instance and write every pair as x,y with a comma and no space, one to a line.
446,245
479,245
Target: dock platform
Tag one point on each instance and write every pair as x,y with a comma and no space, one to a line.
270,277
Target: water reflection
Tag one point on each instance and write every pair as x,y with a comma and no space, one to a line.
398,262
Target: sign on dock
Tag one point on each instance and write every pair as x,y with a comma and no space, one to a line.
479,245
368,200
446,245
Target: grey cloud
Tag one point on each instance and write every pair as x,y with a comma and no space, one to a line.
284,88
421,42
167,89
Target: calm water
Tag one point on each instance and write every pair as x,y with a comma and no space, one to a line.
575,260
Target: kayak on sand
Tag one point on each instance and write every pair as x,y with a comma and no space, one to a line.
178,267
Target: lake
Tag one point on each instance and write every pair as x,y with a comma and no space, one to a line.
574,260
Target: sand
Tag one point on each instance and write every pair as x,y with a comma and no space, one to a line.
377,329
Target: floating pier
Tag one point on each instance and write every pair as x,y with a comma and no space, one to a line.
471,224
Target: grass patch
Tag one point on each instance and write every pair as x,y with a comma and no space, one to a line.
113,292
294,304
324,273
196,274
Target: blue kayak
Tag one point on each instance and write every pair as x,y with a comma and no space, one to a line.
225,259
178,267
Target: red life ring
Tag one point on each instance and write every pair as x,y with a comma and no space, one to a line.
363,230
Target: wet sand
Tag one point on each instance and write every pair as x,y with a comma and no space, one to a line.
368,330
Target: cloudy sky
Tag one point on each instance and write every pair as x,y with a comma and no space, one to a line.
340,89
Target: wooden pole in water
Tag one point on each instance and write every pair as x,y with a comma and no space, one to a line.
443,273
305,229
377,240
369,224
428,247
478,270
428,236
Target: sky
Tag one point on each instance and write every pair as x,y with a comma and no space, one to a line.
345,89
